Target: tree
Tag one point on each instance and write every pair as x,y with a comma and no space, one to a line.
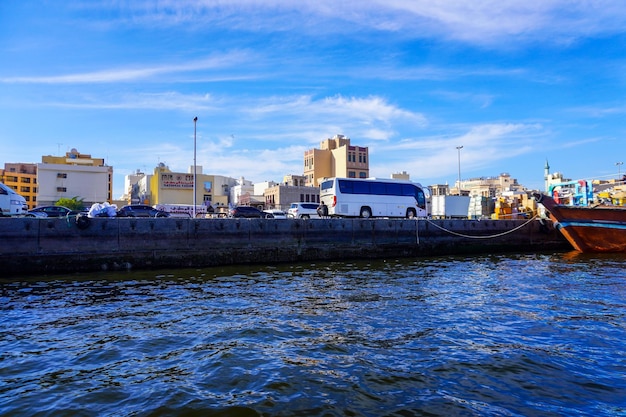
73,203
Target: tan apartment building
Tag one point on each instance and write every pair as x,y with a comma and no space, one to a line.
74,175
291,190
21,177
336,157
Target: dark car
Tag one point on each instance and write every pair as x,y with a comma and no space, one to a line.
52,211
141,210
247,212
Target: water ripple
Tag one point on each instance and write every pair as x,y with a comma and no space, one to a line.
472,336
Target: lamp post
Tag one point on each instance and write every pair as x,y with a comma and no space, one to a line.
458,148
195,120
619,168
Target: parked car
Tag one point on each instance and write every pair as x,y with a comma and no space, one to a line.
248,212
39,214
52,211
302,211
141,210
275,214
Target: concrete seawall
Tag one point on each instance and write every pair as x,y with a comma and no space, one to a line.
35,246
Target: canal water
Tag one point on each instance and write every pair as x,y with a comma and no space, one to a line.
502,335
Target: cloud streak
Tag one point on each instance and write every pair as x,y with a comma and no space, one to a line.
139,73
482,22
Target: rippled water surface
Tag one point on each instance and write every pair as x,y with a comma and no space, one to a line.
527,335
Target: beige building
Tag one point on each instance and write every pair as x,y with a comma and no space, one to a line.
336,157
167,187
74,175
491,187
291,190
22,178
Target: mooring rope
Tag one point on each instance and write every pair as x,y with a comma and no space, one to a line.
481,237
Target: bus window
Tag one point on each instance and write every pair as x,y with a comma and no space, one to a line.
345,187
393,189
408,189
327,185
361,188
377,188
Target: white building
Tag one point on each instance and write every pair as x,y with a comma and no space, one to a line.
73,175
243,187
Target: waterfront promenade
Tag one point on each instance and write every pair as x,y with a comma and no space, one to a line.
35,246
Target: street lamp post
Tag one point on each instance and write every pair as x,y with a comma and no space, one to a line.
458,148
619,168
195,120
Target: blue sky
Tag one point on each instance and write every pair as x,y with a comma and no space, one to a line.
514,83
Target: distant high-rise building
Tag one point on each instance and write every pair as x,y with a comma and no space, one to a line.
335,158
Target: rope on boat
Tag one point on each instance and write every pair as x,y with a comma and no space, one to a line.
480,237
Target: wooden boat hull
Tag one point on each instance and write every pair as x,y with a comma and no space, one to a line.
589,229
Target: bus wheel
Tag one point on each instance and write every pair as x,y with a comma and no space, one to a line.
366,212
410,214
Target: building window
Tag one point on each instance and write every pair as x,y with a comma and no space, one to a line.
26,180
301,197
61,190
362,175
351,174
25,189
61,175
308,198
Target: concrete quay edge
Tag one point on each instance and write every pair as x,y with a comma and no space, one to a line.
30,246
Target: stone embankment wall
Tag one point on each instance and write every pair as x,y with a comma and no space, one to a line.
35,246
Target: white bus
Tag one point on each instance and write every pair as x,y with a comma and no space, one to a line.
372,197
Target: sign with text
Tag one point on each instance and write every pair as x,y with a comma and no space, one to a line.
176,180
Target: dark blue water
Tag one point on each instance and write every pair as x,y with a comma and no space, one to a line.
525,335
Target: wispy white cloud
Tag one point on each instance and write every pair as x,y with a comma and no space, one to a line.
143,73
477,21
600,111
170,100
434,157
481,99
372,108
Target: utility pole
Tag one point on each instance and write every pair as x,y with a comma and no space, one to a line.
195,120
458,187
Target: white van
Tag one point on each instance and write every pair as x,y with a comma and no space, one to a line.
11,203
302,211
